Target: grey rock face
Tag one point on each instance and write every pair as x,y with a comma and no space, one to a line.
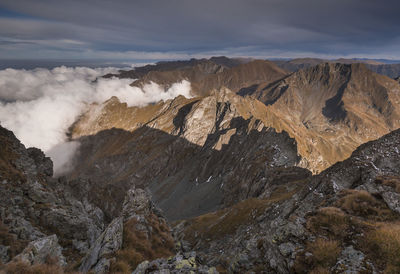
43,164
109,242
37,252
351,261
4,254
275,235
136,203
181,263
34,205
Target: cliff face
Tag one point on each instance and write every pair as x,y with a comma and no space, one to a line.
282,220
330,109
50,226
207,150
340,220
389,70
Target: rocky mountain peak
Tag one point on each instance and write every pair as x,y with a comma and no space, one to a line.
331,102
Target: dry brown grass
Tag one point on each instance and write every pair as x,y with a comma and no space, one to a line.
383,244
359,219
11,240
138,246
216,225
324,255
320,270
225,222
392,181
19,267
7,157
331,222
325,252
361,203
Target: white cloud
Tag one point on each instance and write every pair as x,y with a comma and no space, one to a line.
39,105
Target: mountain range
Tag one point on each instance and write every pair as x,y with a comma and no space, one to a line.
391,69
270,167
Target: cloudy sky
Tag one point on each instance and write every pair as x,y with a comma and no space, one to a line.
178,29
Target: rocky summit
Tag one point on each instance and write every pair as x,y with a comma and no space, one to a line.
330,109
260,171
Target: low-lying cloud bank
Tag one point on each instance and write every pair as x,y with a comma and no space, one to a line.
39,105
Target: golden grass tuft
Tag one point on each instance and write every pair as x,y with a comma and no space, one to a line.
392,181
11,240
138,246
320,270
383,244
324,256
361,203
325,252
329,221
19,267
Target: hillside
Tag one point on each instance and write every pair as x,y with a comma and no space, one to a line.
206,74
207,150
389,70
330,109
345,218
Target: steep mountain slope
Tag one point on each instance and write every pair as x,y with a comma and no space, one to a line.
330,109
139,72
206,74
49,225
213,165
298,63
203,80
389,70
206,150
344,219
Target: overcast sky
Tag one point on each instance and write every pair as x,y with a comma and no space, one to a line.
180,29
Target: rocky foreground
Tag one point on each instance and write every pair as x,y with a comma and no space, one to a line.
344,219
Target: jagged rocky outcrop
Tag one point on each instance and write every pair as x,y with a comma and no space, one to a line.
221,61
334,221
389,70
330,109
207,150
47,221
136,228
181,263
35,206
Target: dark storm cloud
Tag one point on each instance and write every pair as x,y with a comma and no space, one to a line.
179,28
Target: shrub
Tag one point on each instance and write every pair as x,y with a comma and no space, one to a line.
325,252
138,246
329,221
392,181
324,255
362,203
19,267
320,270
384,245
11,240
